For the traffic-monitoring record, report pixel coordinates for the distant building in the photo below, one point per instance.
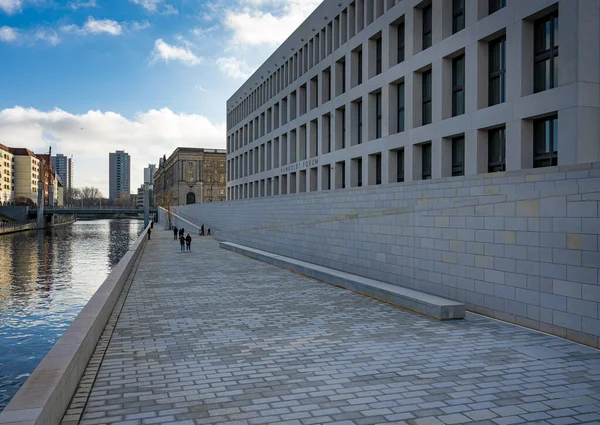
(192, 175)
(64, 168)
(47, 176)
(140, 196)
(7, 175)
(119, 174)
(149, 173)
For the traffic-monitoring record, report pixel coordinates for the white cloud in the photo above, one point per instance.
(49, 36)
(149, 5)
(104, 26)
(8, 34)
(79, 4)
(167, 52)
(146, 137)
(11, 6)
(100, 26)
(234, 68)
(266, 22)
(169, 10)
(156, 6)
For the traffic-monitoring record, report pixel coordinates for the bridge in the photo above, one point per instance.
(94, 210)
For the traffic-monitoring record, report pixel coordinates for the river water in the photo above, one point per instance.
(46, 277)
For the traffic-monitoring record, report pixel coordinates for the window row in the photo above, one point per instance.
(350, 22)
(544, 153)
(334, 176)
(323, 88)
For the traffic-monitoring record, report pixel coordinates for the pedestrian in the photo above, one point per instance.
(202, 230)
(188, 242)
(149, 231)
(182, 242)
(174, 233)
(208, 231)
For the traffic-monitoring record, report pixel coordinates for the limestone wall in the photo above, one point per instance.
(520, 246)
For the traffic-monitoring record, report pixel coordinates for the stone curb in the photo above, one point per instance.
(420, 302)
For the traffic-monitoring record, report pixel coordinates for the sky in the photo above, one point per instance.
(88, 77)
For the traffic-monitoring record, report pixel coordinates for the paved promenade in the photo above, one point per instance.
(214, 337)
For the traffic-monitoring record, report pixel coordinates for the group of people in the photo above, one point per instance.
(185, 242)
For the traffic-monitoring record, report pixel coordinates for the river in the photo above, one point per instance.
(46, 277)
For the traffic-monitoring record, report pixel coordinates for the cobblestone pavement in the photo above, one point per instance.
(214, 337)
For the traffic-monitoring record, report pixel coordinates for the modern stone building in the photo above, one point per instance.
(119, 175)
(447, 146)
(368, 92)
(191, 175)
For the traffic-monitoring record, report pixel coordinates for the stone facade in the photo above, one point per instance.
(192, 175)
(520, 246)
(368, 92)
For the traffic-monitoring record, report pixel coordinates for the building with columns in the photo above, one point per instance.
(369, 92)
(191, 176)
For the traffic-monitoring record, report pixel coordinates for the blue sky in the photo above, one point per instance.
(91, 76)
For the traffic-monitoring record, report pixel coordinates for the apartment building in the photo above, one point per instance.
(119, 175)
(7, 175)
(369, 92)
(27, 173)
(65, 168)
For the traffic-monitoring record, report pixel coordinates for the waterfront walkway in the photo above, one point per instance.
(214, 337)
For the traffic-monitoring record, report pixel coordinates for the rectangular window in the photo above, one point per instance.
(378, 169)
(497, 71)
(360, 66)
(400, 107)
(426, 93)
(359, 170)
(359, 122)
(497, 150)
(545, 68)
(427, 27)
(400, 165)
(378, 56)
(496, 5)
(343, 128)
(378, 116)
(426, 161)
(458, 15)
(401, 41)
(545, 142)
(458, 86)
(458, 156)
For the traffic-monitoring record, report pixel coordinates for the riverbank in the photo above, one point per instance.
(57, 221)
(48, 277)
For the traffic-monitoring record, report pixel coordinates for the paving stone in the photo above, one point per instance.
(211, 337)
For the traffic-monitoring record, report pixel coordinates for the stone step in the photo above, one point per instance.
(420, 302)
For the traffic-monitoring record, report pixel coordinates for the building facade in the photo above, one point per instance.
(64, 168)
(190, 176)
(7, 175)
(119, 175)
(27, 174)
(149, 173)
(369, 92)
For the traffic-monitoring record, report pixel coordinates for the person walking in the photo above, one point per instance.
(188, 242)
(202, 230)
(174, 233)
(149, 232)
(182, 242)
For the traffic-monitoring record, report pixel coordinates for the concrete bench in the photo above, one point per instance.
(420, 302)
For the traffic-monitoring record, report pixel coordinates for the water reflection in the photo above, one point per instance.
(46, 277)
